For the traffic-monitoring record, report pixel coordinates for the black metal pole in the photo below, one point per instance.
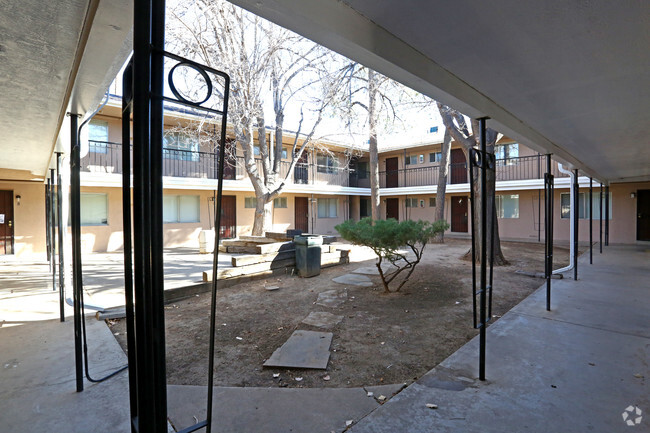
(148, 40)
(600, 218)
(52, 218)
(48, 239)
(539, 215)
(607, 215)
(75, 218)
(59, 224)
(548, 229)
(591, 221)
(483, 277)
(576, 203)
(127, 88)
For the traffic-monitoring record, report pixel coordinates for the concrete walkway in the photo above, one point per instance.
(574, 369)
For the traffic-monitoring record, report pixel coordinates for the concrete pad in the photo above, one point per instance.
(367, 270)
(353, 280)
(269, 410)
(332, 298)
(322, 319)
(576, 368)
(304, 349)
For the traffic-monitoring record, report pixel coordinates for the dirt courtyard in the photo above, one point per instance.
(382, 339)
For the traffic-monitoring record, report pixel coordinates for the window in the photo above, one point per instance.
(256, 151)
(507, 206)
(364, 204)
(181, 209)
(435, 157)
(506, 151)
(327, 163)
(411, 160)
(421, 159)
(94, 209)
(250, 202)
(327, 207)
(432, 202)
(285, 153)
(97, 136)
(179, 146)
(411, 202)
(280, 203)
(583, 204)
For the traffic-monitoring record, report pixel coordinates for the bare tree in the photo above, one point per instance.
(263, 61)
(457, 127)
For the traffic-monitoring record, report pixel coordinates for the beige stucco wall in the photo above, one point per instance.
(29, 218)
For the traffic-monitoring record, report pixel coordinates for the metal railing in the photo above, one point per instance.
(106, 157)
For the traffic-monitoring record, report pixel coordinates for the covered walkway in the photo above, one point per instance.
(574, 369)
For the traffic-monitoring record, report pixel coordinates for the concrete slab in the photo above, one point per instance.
(332, 298)
(269, 410)
(304, 349)
(367, 270)
(322, 319)
(353, 280)
(576, 368)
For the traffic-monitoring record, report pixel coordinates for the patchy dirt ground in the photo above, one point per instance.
(383, 338)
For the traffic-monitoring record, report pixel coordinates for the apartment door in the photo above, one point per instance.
(458, 166)
(643, 215)
(392, 208)
(302, 214)
(228, 227)
(301, 172)
(392, 173)
(459, 214)
(6, 222)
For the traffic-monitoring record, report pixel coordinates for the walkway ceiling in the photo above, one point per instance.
(567, 77)
(55, 57)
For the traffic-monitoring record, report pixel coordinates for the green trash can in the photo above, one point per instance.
(308, 254)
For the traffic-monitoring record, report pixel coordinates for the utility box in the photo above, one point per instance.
(308, 252)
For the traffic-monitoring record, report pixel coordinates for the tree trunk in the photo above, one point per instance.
(499, 259)
(443, 174)
(372, 148)
(263, 217)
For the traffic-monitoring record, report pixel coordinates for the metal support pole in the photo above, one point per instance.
(591, 221)
(52, 218)
(59, 224)
(150, 369)
(548, 229)
(607, 215)
(600, 218)
(576, 203)
(75, 217)
(539, 215)
(48, 239)
(484, 227)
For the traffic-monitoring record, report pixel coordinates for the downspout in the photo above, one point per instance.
(572, 215)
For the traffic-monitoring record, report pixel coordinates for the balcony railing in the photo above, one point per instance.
(519, 168)
(106, 157)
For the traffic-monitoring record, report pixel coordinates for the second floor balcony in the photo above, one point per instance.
(106, 157)
(509, 169)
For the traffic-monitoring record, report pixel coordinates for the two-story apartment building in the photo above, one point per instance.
(328, 185)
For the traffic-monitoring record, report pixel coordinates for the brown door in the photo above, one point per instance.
(301, 171)
(392, 208)
(458, 167)
(228, 227)
(6, 222)
(643, 215)
(302, 214)
(392, 173)
(459, 214)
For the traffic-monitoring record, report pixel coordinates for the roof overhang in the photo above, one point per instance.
(569, 78)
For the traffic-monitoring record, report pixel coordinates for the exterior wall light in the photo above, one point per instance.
(633, 195)
(18, 200)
